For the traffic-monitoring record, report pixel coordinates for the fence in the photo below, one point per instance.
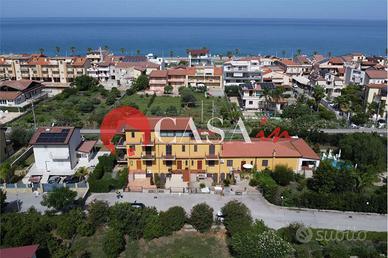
(43, 187)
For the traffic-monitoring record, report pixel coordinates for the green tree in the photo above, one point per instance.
(98, 212)
(86, 106)
(141, 83)
(171, 53)
(171, 111)
(187, 98)
(318, 95)
(20, 136)
(284, 53)
(110, 100)
(153, 228)
(3, 197)
(261, 245)
(298, 52)
(73, 50)
(113, 243)
(69, 223)
(283, 175)
(138, 51)
(84, 83)
(201, 217)
(122, 50)
(5, 172)
(60, 199)
(41, 51)
(168, 89)
(89, 50)
(237, 217)
(173, 219)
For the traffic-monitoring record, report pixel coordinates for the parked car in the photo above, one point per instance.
(72, 179)
(220, 217)
(138, 205)
(54, 180)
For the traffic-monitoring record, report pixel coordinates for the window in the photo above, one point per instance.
(229, 163)
(192, 162)
(264, 163)
(211, 163)
(149, 163)
(250, 102)
(133, 134)
(212, 149)
(169, 163)
(186, 162)
(195, 148)
(168, 149)
(183, 148)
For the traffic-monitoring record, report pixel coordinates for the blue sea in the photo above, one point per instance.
(162, 35)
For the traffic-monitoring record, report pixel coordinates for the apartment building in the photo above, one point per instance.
(42, 68)
(332, 84)
(176, 152)
(198, 76)
(198, 57)
(354, 74)
(298, 66)
(238, 72)
(377, 93)
(374, 76)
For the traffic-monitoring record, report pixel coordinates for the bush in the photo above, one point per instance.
(86, 229)
(267, 185)
(60, 199)
(289, 233)
(156, 111)
(113, 243)
(171, 111)
(153, 228)
(173, 219)
(168, 89)
(69, 223)
(283, 175)
(237, 217)
(201, 217)
(187, 98)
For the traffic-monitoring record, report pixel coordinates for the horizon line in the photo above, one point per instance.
(197, 18)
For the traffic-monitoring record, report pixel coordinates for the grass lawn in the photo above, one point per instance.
(163, 102)
(180, 244)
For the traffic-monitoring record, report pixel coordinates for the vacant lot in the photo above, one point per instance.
(181, 244)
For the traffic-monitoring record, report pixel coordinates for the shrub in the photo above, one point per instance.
(283, 175)
(113, 243)
(289, 233)
(201, 217)
(86, 229)
(153, 228)
(237, 217)
(173, 219)
(267, 185)
(171, 111)
(60, 199)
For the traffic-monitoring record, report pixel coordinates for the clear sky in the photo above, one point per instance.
(331, 9)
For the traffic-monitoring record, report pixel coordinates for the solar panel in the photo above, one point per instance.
(53, 137)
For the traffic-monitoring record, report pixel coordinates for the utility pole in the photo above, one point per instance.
(33, 113)
(212, 108)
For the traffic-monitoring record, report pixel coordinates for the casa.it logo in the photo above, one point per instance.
(275, 135)
(120, 119)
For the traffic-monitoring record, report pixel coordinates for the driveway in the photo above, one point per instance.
(273, 216)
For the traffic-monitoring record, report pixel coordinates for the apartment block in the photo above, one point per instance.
(238, 72)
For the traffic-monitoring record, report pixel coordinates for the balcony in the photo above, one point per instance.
(168, 157)
(148, 143)
(212, 157)
(122, 159)
(148, 156)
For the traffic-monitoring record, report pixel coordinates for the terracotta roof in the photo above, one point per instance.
(376, 86)
(9, 95)
(134, 59)
(27, 251)
(377, 74)
(217, 71)
(197, 52)
(79, 61)
(39, 61)
(158, 74)
(86, 146)
(287, 62)
(53, 131)
(286, 148)
(179, 71)
(336, 60)
(191, 70)
(181, 124)
(17, 85)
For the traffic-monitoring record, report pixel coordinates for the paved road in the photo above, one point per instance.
(273, 216)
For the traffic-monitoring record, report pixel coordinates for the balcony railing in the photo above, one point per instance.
(212, 157)
(147, 156)
(169, 157)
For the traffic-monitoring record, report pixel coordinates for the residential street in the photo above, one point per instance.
(273, 216)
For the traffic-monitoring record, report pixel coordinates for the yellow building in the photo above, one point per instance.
(176, 151)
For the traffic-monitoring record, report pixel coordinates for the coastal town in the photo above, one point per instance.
(225, 137)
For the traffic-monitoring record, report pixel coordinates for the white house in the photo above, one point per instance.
(376, 76)
(57, 151)
(239, 72)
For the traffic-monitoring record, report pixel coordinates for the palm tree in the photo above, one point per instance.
(267, 97)
(106, 47)
(58, 50)
(284, 53)
(318, 95)
(298, 52)
(343, 103)
(73, 49)
(122, 50)
(237, 51)
(229, 54)
(138, 52)
(234, 113)
(315, 52)
(329, 54)
(41, 51)
(171, 53)
(89, 50)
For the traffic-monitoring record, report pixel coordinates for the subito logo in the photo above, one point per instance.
(120, 119)
(304, 235)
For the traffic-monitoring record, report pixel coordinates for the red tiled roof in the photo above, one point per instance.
(377, 74)
(41, 130)
(179, 71)
(197, 52)
(158, 74)
(9, 95)
(17, 85)
(27, 251)
(217, 71)
(336, 60)
(287, 62)
(86, 146)
(376, 86)
(292, 148)
(79, 61)
(39, 61)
